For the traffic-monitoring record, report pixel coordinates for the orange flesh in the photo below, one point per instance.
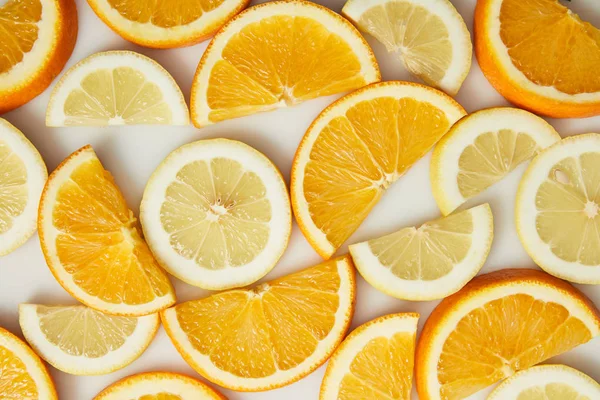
(15, 381)
(164, 13)
(18, 30)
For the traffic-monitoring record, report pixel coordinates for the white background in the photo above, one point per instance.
(131, 154)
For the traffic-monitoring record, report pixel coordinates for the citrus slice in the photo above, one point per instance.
(430, 262)
(430, 37)
(216, 214)
(116, 88)
(166, 24)
(375, 361)
(92, 244)
(557, 209)
(268, 336)
(279, 54)
(481, 149)
(82, 341)
(24, 375)
(36, 41)
(498, 324)
(356, 148)
(159, 386)
(547, 382)
(22, 177)
(539, 55)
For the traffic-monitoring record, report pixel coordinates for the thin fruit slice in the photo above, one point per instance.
(375, 361)
(279, 54)
(159, 386)
(481, 149)
(216, 214)
(498, 324)
(430, 262)
(547, 382)
(539, 55)
(270, 335)
(36, 41)
(92, 244)
(166, 24)
(557, 209)
(23, 375)
(116, 88)
(22, 177)
(430, 37)
(82, 341)
(356, 149)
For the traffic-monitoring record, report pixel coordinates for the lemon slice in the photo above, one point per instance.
(216, 214)
(481, 149)
(430, 37)
(116, 88)
(557, 209)
(430, 262)
(81, 341)
(22, 178)
(547, 382)
(159, 386)
(375, 361)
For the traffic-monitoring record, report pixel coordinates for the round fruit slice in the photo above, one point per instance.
(24, 375)
(92, 244)
(159, 386)
(279, 54)
(268, 336)
(547, 382)
(557, 209)
(37, 39)
(22, 177)
(216, 214)
(430, 37)
(166, 24)
(539, 55)
(81, 341)
(430, 262)
(498, 324)
(116, 88)
(374, 362)
(356, 149)
(481, 149)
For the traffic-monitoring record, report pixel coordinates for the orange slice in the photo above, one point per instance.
(92, 241)
(268, 336)
(356, 149)
(539, 55)
(36, 41)
(498, 324)
(279, 54)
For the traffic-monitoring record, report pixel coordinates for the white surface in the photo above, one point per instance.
(131, 154)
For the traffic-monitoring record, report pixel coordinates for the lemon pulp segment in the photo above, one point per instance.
(13, 186)
(551, 391)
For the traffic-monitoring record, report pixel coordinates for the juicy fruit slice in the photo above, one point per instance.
(116, 88)
(557, 209)
(22, 177)
(547, 382)
(159, 386)
(81, 341)
(375, 361)
(356, 148)
(268, 336)
(166, 24)
(37, 39)
(24, 375)
(539, 55)
(92, 244)
(430, 37)
(430, 262)
(481, 149)
(498, 324)
(279, 54)
(216, 214)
